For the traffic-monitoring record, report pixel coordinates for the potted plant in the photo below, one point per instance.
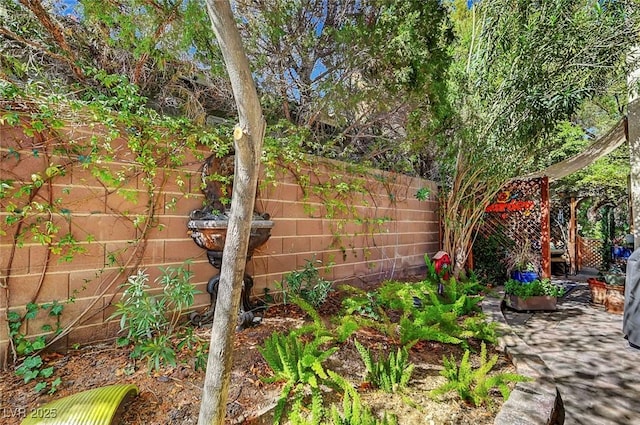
(614, 275)
(521, 263)
(598, 290)
(614, 278)
(539, 294)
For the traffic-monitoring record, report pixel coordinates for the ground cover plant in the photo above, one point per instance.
(434, 309)
(149, 329)
(539, 287)
(473, 385)
(329, 364)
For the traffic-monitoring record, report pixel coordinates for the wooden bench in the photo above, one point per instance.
(561, 259)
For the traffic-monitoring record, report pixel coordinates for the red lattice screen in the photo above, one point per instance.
(515, 217)
(590, 252)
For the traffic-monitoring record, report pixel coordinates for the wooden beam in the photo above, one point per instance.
(573, 246)
(545, 227)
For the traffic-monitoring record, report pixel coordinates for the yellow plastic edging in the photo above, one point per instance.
(92, 407)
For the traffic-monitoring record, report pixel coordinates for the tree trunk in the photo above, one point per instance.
(633, 137)
(248, 136)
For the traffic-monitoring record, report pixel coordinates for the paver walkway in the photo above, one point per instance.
(597, 373)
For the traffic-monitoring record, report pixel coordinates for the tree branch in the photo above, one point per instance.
(35, 6)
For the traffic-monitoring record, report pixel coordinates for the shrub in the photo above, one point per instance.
(307, 284)
(151, 320)
(537, 287)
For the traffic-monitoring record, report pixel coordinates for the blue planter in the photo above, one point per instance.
(524, 276)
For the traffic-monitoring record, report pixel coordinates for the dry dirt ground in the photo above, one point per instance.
(173, 396)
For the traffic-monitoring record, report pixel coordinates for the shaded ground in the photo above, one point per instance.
(173, 397)
(594, 368)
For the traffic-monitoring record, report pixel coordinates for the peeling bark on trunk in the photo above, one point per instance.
(248, 136)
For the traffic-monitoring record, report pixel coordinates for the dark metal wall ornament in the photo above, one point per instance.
(208, 229)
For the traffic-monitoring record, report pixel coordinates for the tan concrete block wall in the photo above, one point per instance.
(359, 248)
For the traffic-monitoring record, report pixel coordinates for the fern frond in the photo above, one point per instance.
(308, 308)
(317, 409)
(464, 370)
(319, 370)
(474, 385)
(340, 381)
(346, 328)
(406, 375)
(270, 352)
(289, 365)
(365, 355)
(347, 406)
(282, 401)
(409, 331)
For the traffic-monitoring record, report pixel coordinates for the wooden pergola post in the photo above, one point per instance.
(572, 249)
(545, 227)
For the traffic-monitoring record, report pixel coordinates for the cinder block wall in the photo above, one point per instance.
(384, 234)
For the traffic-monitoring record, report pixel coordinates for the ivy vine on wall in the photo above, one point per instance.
(115, 140)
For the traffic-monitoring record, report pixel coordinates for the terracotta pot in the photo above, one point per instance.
(614, 301)
(598, 290)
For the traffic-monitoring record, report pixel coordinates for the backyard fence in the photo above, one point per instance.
(73, 228)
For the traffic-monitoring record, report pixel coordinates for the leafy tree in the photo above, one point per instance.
(166, 48)
(520, 67)
(353, 72)
(605, 180)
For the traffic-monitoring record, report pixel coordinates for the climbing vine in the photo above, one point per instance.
(330, 189)
(127, 143)
(115, 143)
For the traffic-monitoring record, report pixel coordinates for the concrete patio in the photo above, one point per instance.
(578, 350)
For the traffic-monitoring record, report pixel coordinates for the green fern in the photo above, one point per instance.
(472, 385)
(300, 415)
(412, 331)
(354, 413)
(390, 374)
(348, 325)
(309, 309)
(297, 363)
(384, 326)
(479, 328)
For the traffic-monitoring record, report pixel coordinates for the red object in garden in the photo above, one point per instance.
(442, 263)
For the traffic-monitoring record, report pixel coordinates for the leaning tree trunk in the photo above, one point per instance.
(248, 136)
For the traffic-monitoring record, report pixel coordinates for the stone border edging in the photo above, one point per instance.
(530, 403)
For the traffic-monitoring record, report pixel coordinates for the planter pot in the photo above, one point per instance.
(524, 276)
(541, 302)
(598, 290)
(212, 234)
(614, 301)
